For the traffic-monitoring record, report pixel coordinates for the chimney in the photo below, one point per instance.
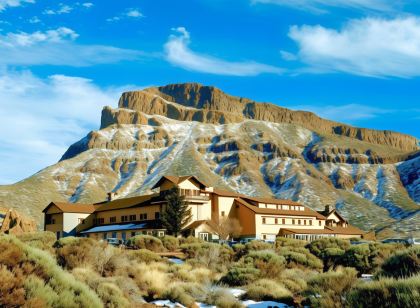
(112, 195)
(327, 208)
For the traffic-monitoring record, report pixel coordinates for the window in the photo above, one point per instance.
(223, 213)
(143, 216)
(112, 219)
(161, 233)
(100, 221)
(276, 221)
(304, 222)
(124, 218)
(104, 236)
(263, 220)
(298, 221)
(132, 217)
(58, 235)
(293, 221)
(283, 221)
(310, 222)
(319, 222)
(52, 221)
(133, 233)
(264, 237)
(114, 234)
(157, 215)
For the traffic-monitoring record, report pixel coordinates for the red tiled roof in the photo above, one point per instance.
(346, 230)
(267, 211)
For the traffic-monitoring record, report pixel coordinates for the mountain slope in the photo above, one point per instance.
(371, 176)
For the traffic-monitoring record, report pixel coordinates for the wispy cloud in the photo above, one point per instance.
(42, 117)
(4, 4)
(348, 113)
(322, 6)
(57, 47)
(369, 47)
(87, 4)
(132, 13)
(178, 53)
(61, 9)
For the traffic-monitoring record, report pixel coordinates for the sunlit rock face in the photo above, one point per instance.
(233, 143)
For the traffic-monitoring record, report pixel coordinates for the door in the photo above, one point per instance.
(123, 236)
(204, 236)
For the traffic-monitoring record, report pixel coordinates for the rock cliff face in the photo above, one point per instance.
(372, 177)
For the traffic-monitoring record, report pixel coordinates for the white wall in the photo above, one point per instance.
(71, 220)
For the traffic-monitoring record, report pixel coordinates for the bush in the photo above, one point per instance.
(222, 298)
(184, 293)
(402, 264)
(289, 242)
(386, 293)
(143, 255)
(214, 256)
(171, 243)
(240, 275)
(45, 283)
(146, 242)
(318, 247)
(299, 256)
(84, 252)
(267, 262)
(43, 240)
(268, 290)
(329, 289)
(258, 245)
(190, 240)
(360, 257)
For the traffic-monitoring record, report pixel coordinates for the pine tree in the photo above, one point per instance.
(177, 213)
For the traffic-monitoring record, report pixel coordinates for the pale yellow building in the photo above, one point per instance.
(260, 218)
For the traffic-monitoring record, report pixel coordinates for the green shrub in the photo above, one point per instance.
(299, 256)
(214, 256)
(190, 240)
(43, 240)
(268, 290)
(146, 242)
(143, 255)
(240, 275)
(289, 242)
(45, 283)
(317, 247)
(329, 289)
(386, 292)
(267, 262)
(184, 293)
(403, 263)
(360, 257)
(258, 245)
(171, 243)
(222, 298)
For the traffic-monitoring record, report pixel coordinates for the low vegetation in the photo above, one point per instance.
(38, 271)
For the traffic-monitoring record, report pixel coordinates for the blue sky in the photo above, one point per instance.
(356, 61)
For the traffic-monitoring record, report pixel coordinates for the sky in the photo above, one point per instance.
(353, 61)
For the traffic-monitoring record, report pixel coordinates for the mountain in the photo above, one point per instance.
(372, 177)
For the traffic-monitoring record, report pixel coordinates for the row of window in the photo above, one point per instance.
(125, 218)
(283, 207)
(294, 221)
(133, 233)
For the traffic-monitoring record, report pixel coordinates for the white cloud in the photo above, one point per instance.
(40, 118)
(4, 4)
(62, 9)
(34, 20)
(178, 53)
(322, 6)
(87, 4)
(57, 47)
(129, 13)
(369, 47)
(344, 113)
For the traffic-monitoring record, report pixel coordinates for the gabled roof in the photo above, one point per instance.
(349, 230)
(198, 223)
(126, 202)
(177, 180)
(66, 207)
(267, 211)
(333, 212)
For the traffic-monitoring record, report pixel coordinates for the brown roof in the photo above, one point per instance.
(126, 202)
(305, 231)
(178, 179)
(258, 210)
(226, 193)
(72, 207)
(198, 223)
(346, 230)
(271, 200)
